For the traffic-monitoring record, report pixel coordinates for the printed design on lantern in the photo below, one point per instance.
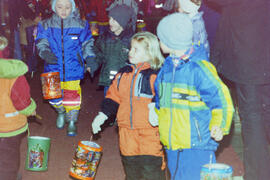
(85, 162)
(36, 156)
(216, 171)
(51, 85)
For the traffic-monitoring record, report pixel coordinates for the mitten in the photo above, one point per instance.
(153, 117)
(91, 65)
(98, 121)
(217, 133)
(49, 57)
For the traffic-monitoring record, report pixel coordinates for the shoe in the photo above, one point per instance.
(60, 121)
(72, 118)
(72, 129)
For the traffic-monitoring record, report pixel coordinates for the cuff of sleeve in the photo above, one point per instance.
(30, 109)
(91, 62)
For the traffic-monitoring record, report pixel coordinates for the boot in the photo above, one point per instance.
(60, 121)
(71, 118)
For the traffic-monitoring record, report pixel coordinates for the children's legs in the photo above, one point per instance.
(186, 164)
(151, 168)
(58, 106)
(31, 58)
(72, 104)
(131, 167)
(143, 167)
(60, 121)
(10, 157)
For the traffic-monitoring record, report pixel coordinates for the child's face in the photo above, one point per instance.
(115, 26)
(164, 48)
(138, 53)
(63, 8)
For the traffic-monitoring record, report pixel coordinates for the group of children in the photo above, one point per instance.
(177, 104)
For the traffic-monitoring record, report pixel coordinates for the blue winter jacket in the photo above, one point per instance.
(70, 40)
(190, 100)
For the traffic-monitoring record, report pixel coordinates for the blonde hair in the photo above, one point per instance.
(3, 43)
(151, 43)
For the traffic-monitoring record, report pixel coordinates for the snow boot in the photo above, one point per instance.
(72, 118)
(60, 121)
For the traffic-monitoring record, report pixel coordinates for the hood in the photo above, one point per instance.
(72, 2)
(73, 14)
(12, 68)
(199, 53)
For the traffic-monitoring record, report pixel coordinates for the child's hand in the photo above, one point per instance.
(217, 133)
(153, 117)
(98, 121)
(88, 69)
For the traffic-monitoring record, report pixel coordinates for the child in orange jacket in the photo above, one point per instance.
(128, 97)
(15, 105)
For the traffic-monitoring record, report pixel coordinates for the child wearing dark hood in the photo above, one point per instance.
(112, 47)
(65, 42)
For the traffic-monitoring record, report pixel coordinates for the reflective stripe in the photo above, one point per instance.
(113, 72)
(7, 115)
(56, 103)
(71, 102)
(111, 77)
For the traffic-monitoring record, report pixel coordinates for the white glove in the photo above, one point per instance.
(153, 117)
(98, 121)
(217, 133)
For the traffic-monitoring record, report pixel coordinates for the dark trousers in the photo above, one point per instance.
(254, 112)
(143, 167)
(31, 54)
(10, 157)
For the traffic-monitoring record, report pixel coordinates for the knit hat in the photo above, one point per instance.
(176, 31)
(122, 14)
(72, 3)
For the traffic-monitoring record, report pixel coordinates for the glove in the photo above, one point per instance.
(49, 57)
(153, 117)
(217, 133)
(91, 65)
(98, 121)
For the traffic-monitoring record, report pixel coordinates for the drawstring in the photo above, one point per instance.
(176, 169)
(28, 131)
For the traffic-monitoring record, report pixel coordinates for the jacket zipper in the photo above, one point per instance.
(198, 129)
(63, 56)
(131, 93)
(172, 83)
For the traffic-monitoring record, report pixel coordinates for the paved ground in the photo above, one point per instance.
(63, 147)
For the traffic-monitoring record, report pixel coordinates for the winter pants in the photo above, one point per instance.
(31, 54)
(143, 167)
(71, 99)
(10, 157)
(186, 164)
(254, 112)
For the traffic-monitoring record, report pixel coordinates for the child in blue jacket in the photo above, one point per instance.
(65, 42)
(194, 107)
